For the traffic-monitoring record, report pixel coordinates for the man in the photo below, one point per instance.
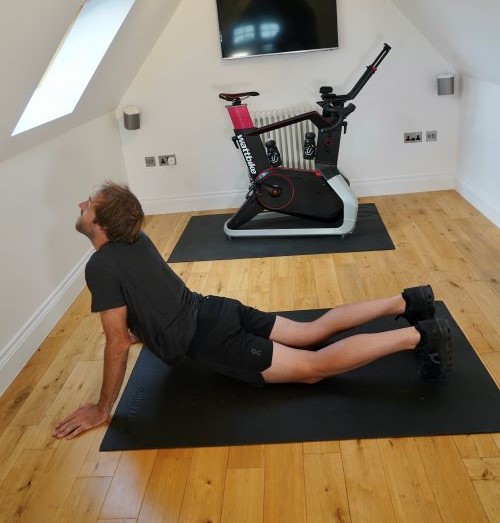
(138, 295)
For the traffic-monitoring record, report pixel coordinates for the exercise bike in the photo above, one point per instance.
(322, 194)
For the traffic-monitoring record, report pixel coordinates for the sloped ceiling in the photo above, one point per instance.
(466, 32)
(31, 31)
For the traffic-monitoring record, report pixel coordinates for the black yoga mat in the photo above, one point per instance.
(204, 239)
(189, 406)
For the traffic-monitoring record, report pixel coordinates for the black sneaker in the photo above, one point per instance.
(419, 304)
(434, 351)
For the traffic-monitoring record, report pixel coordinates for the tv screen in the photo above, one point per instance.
(259, 27)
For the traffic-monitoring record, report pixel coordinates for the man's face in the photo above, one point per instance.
(86, 221)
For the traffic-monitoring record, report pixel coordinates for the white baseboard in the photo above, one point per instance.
(482, 202)
(23, 345)
(197, 202)
(230, 199)
(403, 185)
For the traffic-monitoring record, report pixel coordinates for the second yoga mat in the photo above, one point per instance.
(204, 239)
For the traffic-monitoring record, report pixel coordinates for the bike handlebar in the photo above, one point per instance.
(370, 71)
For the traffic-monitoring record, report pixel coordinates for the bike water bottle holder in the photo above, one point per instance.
(309, 146)
(273, 153)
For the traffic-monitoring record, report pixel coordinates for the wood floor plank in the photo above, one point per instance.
(321, 447)
(327, 283)
(246, 457)
(453, 490)
(281, 289)
(36, 406)
(486, 300)
(326, 495)
(482, 335)
(169, 231)
(304, 283)
(165, 491)
(205, 486)
(367, 489)
(350, 281)
(84, 501)
(259, 285)
(26, 381)
(284, 497)
(496, 439)
(69, 398)
(243, 496)
(485, 475)
(492, 362)
(10, 448)
(217, 281)
(476, 446)
(100, 464)
(126, 492)
(239, 275)
(198, 276)
(22, 483)
(409, 486)
(57, 479)
(182, 269)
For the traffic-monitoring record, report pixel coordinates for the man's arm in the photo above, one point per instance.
(114, 323)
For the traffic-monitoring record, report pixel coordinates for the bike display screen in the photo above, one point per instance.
(260, 27)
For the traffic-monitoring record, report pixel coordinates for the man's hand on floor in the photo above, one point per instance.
(83, 419)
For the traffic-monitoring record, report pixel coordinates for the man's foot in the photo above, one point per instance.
(434, 351)
(419, 304)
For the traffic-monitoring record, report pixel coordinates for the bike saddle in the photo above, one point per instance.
(237, 97)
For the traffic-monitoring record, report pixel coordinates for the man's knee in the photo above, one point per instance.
(293, 366)
(313, 371)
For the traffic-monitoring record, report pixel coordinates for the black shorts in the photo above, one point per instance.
(233, 339)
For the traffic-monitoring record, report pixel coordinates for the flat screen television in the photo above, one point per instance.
(260, 27)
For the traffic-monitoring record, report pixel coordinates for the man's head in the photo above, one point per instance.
(111, 209)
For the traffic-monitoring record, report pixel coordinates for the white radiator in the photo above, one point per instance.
(290, 140)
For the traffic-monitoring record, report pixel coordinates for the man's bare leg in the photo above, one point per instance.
(297, 365)
(300, 334)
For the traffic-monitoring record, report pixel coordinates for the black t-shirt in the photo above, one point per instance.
(161, 310)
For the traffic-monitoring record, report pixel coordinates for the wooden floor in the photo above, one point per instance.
(439, 239)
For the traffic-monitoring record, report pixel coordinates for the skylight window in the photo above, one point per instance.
(75, 62)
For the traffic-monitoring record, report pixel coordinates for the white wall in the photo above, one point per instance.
(479, 170)
(42, 255)
(467, 34)
(178, 85)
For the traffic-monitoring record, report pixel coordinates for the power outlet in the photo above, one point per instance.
(150, 161)
(167, 159)
(431, 136)
(415, 137)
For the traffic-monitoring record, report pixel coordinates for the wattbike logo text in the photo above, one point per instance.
(246, 154)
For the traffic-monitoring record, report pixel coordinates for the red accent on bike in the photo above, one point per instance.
(374, 69)
(318, 173)
(240, 116)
